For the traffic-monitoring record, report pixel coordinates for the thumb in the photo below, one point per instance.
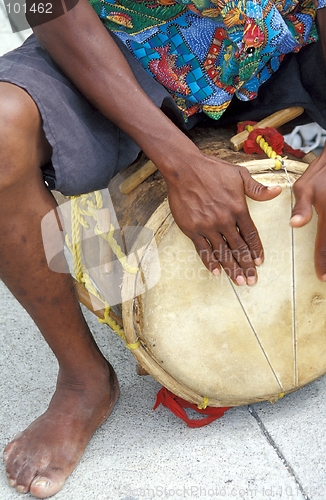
(301, 213)
(257, 191)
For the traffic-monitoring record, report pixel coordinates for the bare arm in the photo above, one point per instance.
(87, 54)
(207, 197)
(310, 189)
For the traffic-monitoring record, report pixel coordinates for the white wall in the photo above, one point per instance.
(8, 39)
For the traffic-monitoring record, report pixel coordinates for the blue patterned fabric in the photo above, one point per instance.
(204, 52)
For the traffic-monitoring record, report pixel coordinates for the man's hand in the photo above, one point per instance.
(208, 204)
(310, 191)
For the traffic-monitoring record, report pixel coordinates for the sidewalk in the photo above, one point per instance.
(259, 451)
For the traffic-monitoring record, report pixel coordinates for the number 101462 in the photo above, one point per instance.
(36, 8)
(24, 14)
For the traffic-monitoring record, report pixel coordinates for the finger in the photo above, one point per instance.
(302, 210)
(206, 254)
(257, 191)
(250, 236)
(224, 254)
(320, 248)
(242, 256)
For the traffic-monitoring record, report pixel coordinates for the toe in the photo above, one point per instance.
(14, 466)
(20, 475)
(21, 489)
(11, 482)
(41, 482)
(9, 449)
(47, 484)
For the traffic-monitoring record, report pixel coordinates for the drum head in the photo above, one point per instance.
(203, 337)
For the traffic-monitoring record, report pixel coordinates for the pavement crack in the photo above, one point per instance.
(280, 455)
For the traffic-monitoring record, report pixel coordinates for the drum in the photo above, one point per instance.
(202, 337)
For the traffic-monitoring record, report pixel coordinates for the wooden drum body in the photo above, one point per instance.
(202, 336)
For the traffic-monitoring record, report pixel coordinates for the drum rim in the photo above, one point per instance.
(159, 222)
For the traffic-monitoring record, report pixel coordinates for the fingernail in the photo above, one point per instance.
(43, 483)
(251, 280)
(323, 278)
(21, 489)
(240, 280)
(258, 262)
(270, 188)
(295, 219)
(216, 272)
(12, 482)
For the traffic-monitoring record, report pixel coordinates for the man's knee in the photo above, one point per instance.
(23, 147)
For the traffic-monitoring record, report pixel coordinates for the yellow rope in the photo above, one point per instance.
(268, 150)
(107, 320)
(116, 249)
(204, 404)
(82, 206)
(87, 205)
(75, 245)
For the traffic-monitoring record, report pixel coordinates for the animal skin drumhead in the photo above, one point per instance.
(203, 337)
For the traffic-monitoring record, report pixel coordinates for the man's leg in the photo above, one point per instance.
(41, 457)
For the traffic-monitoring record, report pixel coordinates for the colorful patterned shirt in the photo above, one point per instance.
(206, 51)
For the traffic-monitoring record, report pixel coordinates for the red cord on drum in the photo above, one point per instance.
(176, 405)
(267, 139)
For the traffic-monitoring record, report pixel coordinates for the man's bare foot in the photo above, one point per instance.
(39, 459)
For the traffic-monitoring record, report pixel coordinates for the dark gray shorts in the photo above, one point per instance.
(88, 150)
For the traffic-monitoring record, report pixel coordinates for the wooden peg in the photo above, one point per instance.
(309, 157)
(137, 177)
